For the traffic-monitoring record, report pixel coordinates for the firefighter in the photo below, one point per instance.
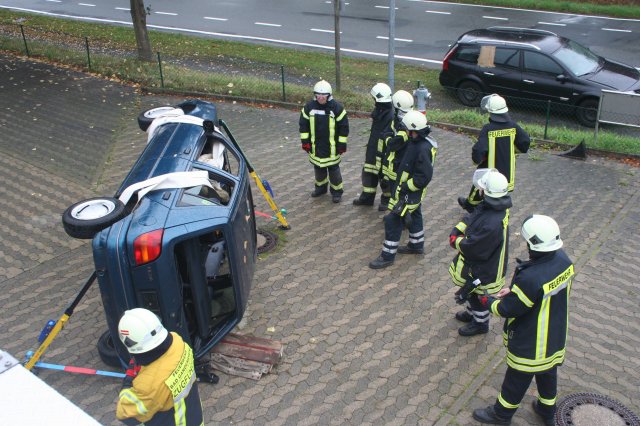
(413, 175)
(481, 239)
(496, 146)
(324, 128)
(160, 385)
(536, 312)
(382, 118)
(394, 145)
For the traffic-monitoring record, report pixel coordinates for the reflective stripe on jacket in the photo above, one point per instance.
(414, 173)
(164, 392)
(483, 246)
(326, 129)
(496, 148)
(537, 313)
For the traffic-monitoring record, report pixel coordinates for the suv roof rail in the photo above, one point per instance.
(521, 30)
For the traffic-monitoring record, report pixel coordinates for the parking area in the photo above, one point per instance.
(362, 346)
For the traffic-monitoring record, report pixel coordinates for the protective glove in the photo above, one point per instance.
(342, 150)
(487, 301)
(306, 147)
(130, 374)
(452, 241)
(463, 293)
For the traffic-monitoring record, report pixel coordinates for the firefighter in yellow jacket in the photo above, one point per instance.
(324, 129)
(536, 312)
(160, 385)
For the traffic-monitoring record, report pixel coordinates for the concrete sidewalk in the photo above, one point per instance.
(362, 346)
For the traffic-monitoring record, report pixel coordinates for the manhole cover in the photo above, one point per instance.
(587, 409)
(266, 241)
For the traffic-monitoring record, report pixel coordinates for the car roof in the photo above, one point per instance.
(535, 39)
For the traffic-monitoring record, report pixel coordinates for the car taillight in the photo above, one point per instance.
(147, 247)
(445, 61)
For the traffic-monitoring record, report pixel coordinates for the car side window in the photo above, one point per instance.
(509, 58)
(539, 63)
(468, 54)
(218, 194)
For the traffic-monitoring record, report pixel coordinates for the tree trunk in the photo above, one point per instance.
(139, 19)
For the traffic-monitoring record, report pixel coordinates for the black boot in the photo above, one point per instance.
(336, 198)
(548, 420)
(410, 250)
(473, 328)
(464, 203)
(464, 316)
(489, 416)
(319, 191)
(380, 262)
(364, 200)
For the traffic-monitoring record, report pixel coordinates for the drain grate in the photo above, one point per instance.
(583, 409)
(266, 241)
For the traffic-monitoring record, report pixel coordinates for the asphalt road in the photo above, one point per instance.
(424, 29)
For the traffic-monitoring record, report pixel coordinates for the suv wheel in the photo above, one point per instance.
(107, 350)
(469, 93)
(587, 112)
(84, 219)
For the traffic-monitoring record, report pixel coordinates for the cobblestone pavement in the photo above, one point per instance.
(362, 346)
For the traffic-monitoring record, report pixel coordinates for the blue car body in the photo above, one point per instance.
(199, 282)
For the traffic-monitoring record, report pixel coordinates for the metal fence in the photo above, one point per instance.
(82, 52)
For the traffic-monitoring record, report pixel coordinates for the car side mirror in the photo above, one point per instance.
(562, 78)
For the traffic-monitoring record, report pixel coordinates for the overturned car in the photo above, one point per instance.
(179, 236)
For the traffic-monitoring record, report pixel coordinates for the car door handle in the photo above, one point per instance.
(488, 73)
(529, 81)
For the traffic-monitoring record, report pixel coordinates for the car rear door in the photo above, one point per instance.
(500, 69)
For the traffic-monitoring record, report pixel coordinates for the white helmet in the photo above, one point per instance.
(322, 88)
(414, 120)
(494, 104)
(402, 100)
(541, 233)
(494, 184)
(140, 330)
(381, 93)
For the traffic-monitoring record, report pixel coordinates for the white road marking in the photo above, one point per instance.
(396, 39)
(266, 24)
(617, 30)
(495, 17)
(385, 7)
(54, 1)
(123, 8)
(166, 13)
(217, 34)
(322, 31)
(86, 4)
(438, 12)
(211, 18)
(552, 23)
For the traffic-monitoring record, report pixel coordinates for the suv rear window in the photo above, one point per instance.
(537, 62)
(468, 54)
(492, 56)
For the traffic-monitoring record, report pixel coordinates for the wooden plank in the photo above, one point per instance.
(250, 348)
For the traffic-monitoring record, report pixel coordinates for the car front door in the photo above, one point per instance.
(544, 79)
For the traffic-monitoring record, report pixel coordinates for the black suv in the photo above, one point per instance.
(533, 64)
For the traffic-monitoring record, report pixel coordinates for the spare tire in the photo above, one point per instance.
(84, 219)
(146, 117)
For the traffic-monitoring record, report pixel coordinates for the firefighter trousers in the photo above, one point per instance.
(515, 385)
(393, 226)
(329, 176)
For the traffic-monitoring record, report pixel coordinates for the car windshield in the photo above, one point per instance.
(577, 58)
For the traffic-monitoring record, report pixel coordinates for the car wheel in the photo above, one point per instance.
(84, 219)
(469, 93)
(146, 117)
(107, 351)
(587, 112)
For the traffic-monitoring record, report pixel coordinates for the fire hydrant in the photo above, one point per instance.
(422, 96)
